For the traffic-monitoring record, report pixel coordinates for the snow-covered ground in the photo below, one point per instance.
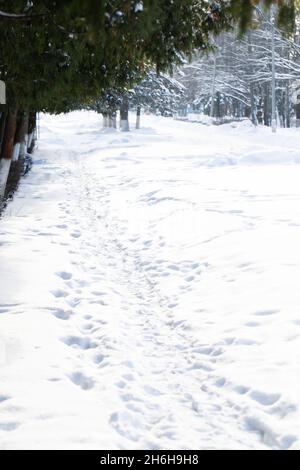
(149, 293)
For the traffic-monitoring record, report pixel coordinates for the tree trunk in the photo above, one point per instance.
(24, 135)
(217, 106)
(21, 131)
(7, 149)
(2, 127)
(253, 105)
(266, 106)
(287, 106)
(124, 120)
(297, 111)
(112, 120)
(213, 88)
(105, 120)
(138, 118)
(253, 111)
(273, 94)
(31, 132)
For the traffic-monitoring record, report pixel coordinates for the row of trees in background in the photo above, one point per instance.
(59, 56)
(249, 76)
(236, 79)
(155, 93)
(17, 136)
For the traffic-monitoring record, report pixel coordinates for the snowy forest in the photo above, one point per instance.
(110, 56)
(149, 214)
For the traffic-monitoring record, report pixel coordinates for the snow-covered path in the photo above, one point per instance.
(149, 292)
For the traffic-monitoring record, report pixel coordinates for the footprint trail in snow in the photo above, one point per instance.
(148, 295)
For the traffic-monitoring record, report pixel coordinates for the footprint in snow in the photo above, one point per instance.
(152, 391)
(266, 399)
(98, 293)
(76, 234)
(266, 312)
(60, 313)
(74, 302)
(58, 293)
(252, 324)
(241, 389)
(8, 426)
(66, 276)
(127, 425)
(173, 267)
(88, 326)
(83, 342)
(82, 380)
(98, 358)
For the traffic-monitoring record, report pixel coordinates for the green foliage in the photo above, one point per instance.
(63, 54)
(242, 11)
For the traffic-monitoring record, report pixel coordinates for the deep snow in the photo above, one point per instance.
(149, 293)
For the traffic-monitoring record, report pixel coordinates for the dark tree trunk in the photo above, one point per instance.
(32, 122)
(31, 131)
(24, 134)
(22, 128)
(124, 119)
(287, 106)
(217, 106)
(9, 135)
(2, 127)
(7, 149)
(297, 111)
(248, 112)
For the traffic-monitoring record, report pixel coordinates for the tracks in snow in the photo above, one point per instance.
(163, 376)
(123, 301)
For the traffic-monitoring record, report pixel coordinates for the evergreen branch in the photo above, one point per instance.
(22, 16)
